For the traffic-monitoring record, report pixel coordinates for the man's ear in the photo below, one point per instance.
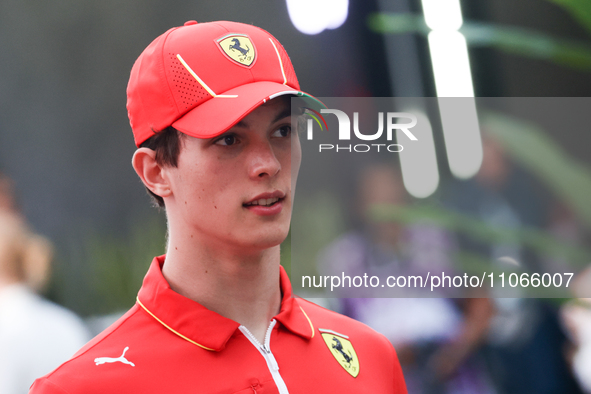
(150, 172)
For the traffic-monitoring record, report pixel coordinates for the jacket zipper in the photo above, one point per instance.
(265, 350)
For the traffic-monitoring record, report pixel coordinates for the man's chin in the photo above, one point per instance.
(268, 241)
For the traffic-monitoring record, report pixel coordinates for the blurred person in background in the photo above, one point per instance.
(7, 199)
(437, 338)
(576, 313)
(35, 335)
(576, 317)
(525, 342)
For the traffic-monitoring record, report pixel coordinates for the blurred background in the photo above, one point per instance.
(66, 146)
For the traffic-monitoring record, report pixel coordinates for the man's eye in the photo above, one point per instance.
(284, 131)
(227, 140)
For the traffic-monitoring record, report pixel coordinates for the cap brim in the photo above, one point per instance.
(223, 111)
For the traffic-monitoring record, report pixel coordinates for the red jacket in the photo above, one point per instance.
(167, 343)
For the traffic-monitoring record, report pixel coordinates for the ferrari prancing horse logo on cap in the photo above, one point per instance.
(239, 48)
(342, 350)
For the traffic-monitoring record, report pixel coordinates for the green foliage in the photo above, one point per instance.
(317, 220)
(516, 40)
(530, 43)
(569, 179)
(286, 254)
(579, 9)
(532, 148)
(538, 240)
(393, 23)
(119, 264)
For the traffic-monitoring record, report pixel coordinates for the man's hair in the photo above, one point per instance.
(167, 145)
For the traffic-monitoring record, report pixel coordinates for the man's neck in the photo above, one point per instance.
(243, 287)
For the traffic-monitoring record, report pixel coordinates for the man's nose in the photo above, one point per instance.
(263, 161)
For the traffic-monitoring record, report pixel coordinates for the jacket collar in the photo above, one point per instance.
(202, 327)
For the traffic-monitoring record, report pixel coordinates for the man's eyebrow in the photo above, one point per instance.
(283, 114)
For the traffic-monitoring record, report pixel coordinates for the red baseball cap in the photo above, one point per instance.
(202, 78)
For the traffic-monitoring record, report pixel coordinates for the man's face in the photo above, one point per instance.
(236, 190)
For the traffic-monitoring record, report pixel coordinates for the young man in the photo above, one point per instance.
(210, 112)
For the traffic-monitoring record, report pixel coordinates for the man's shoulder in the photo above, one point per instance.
(356, 347)
(75, 375)
(326, 320)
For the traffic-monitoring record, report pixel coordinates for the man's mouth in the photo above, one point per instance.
(265, 202)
